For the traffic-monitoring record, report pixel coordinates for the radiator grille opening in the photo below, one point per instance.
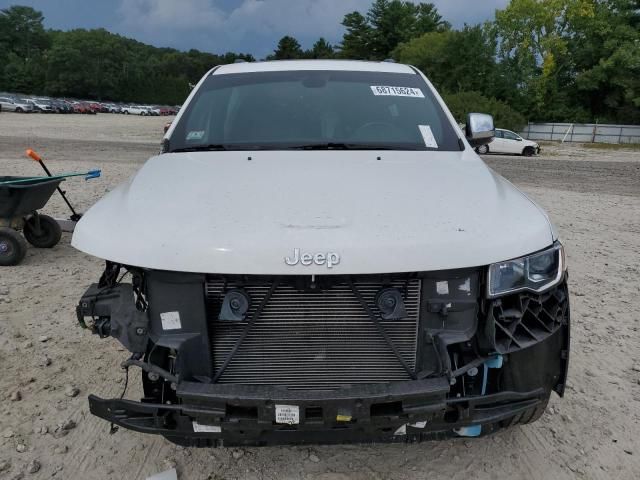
(306, 339)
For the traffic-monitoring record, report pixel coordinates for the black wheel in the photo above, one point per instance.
(528, 416)
(49, 234)
(528, 152)
(18, 110)
(483, 149)
(13, 247)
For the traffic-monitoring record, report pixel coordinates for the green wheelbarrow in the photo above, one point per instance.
(19, 205)
(20, 200)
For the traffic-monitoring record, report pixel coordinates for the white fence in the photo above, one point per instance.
(582, 132)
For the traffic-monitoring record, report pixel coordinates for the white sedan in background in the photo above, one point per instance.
(507, 141)
(135, 110)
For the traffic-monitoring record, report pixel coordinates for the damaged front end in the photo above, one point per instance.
(246, 360)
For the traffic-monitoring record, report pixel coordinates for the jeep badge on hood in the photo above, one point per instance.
(329, 259)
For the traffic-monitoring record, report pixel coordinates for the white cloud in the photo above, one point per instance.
(150, 15)
(256, 25)
(297, 18)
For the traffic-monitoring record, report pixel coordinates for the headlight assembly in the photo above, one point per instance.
(535, 272)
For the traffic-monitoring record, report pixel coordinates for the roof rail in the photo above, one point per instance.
(389, 60)
(239, 60)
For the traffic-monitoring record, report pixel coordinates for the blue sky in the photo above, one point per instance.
(249, 26)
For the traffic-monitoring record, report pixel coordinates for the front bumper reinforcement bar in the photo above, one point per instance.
(244, 415)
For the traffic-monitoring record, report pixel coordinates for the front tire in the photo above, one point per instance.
(528, 152)
(483, 149)
(49, 235)
(13, 247)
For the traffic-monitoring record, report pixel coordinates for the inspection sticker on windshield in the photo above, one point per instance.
(195, 135)
(427, 136)
(397, 91)
(288, 414)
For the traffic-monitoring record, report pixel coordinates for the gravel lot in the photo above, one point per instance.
(50, 364)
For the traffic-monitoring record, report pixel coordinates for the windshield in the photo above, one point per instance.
(314, 110)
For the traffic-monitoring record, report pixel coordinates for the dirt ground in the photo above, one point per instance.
(50, 364)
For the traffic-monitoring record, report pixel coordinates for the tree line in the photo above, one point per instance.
(538, 60)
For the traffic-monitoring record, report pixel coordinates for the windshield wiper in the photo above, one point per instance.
(346, 146)
(215, 147)
(303, 146)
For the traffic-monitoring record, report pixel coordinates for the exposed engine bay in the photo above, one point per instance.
(243, 359)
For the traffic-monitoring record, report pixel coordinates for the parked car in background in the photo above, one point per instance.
(167, 111)
(78, 107)
(94, 107)
(41, 105)
(61, 106)
(151, 110)
(82, 107)
(507, 141)
(15, 102)
(15, 105)
(112, 108)
(135, 110)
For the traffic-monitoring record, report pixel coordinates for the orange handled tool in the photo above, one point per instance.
(75, 216)
(33, 155)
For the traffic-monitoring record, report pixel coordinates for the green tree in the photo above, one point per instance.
(387, 24)
(454, 60)
(94, 64)
(535, 36)
(563, 60)
(288, 49)
(605, 50)
(23, 41)
(22, 32)
(321, 49)
(396, 21)
(356, 42)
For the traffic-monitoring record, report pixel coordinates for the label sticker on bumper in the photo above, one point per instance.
(199, 428)
(170, 321)
(442, 288)
(288, 414)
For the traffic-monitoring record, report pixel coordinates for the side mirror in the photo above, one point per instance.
(479, 130)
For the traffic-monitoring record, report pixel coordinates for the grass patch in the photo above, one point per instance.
(613, 146)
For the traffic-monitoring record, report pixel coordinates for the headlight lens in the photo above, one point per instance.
(535, 272)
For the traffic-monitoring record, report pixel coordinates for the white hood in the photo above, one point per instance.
(219, 212)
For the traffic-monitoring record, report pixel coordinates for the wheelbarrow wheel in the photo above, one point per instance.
(49, 235)
(13, 247)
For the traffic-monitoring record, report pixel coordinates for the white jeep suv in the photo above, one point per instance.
(319, 255)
